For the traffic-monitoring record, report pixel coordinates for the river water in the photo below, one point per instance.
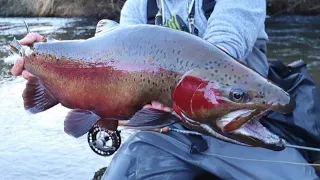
(35, 146)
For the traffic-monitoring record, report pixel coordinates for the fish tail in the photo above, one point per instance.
(15, 47)
(15, 52)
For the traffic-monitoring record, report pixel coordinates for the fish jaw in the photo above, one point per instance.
(252, 132)
(235, 119)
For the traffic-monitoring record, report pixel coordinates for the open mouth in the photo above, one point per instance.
(252, 132)
(249, 130)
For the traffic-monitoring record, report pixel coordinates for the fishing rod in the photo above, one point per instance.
(27, 27)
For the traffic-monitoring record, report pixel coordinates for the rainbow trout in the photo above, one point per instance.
(112, 75)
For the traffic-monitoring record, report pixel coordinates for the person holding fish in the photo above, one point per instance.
(236, 27)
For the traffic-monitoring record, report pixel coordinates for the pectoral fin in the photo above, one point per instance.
(149, 118)
(36, 97)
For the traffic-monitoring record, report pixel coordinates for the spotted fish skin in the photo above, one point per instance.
(114, 74)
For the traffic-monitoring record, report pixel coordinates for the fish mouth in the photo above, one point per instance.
(255, 134)
(251, 133)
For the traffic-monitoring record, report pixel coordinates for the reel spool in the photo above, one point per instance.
(103, 142)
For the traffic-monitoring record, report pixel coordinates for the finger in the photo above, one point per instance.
(157, 105)
(160, 106)
(27, 75)
(167, 109)
(31, 38)
(147, 106)
(17, 68)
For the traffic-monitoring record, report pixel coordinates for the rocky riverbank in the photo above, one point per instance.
(61, 8)
(111, 8)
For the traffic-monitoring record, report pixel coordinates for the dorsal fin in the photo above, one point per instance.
(105, 25)
(50, 39)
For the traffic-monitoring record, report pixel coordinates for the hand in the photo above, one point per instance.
(18, 68)
(159, 106)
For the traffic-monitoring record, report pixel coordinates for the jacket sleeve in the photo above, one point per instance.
(235, 25)
(133, 12)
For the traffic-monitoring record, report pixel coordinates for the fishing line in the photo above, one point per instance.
(302, 147)
(287, 145)
(260, 160)
(251, 159)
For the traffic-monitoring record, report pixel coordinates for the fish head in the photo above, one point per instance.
(229, 104)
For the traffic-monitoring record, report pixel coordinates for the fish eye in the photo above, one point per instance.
(238, 95)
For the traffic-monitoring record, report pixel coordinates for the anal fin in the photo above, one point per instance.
(149, 118)
(36, 97)
(78, 122)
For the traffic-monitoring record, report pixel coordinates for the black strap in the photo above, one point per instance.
(152, 9)
(208, 7)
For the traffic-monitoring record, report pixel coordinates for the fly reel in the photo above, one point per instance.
(103, 142)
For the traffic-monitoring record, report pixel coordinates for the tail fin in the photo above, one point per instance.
(14, 52)
(15, 47)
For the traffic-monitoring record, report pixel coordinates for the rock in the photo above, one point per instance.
(61, 8)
